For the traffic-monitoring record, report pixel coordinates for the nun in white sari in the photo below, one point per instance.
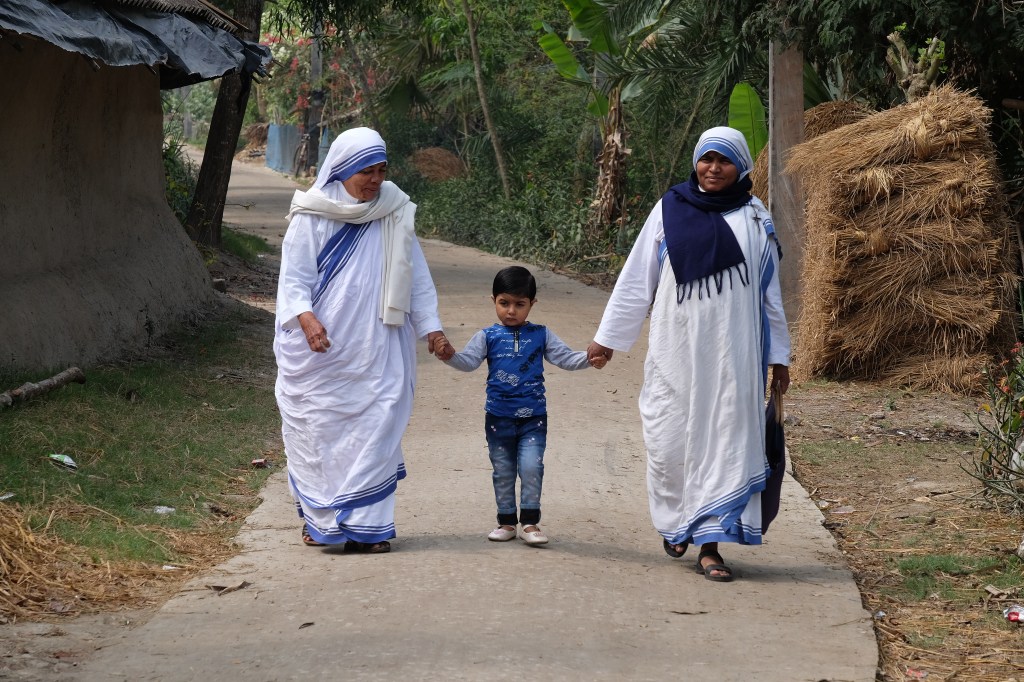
(707, 258)
(353, 296)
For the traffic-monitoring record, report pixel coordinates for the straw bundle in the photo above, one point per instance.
(910, 259)
(437, 164)
(818, 120)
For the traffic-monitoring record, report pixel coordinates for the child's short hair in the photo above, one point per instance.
(516, 281)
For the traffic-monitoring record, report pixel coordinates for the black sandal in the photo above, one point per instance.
(718, 566)
(307, 539)
(671, 550)
(353, 547)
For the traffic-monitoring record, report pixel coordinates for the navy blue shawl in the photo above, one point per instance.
(699, 241)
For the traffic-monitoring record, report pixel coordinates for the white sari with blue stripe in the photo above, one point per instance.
(702, 403)
(344, 411)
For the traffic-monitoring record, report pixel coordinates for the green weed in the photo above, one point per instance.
(245, 246)
(178, 430)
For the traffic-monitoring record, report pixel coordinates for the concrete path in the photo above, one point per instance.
(601, 602)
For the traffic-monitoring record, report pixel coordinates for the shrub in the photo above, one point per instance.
(181, 175)
(1000, 463)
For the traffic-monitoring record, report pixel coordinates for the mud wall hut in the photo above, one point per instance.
(93, 262)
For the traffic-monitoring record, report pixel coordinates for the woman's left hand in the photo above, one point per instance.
(780, 377)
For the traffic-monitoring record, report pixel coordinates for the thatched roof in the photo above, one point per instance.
(910, 264)
(199, 9)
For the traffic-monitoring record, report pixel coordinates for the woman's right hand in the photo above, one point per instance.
(316, 335)
(598, 355)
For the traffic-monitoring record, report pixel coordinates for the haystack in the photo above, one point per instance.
(818, 120)
(437, 164)
(910, 260)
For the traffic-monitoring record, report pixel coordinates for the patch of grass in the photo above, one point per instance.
(948, 564)
(823, 453)
(933, 640)
(109, 540)
(176, 430)
(935, 574)
(846, 450)
(919, 587)
(245, 246)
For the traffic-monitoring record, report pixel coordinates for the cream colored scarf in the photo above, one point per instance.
(397, 223)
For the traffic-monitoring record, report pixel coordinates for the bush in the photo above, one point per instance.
(181, 175)
(1000, 463)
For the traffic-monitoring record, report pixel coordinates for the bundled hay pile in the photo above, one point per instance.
(818, 120)
(437, 164)
(910, 260)
(255, 135)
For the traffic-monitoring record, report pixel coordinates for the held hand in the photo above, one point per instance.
(316, 335)
(780, 377)
(599, 353)
(437, 344)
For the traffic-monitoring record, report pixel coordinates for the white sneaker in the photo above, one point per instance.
(535, 536)
(502, 534)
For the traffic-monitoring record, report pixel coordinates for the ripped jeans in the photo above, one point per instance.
(517, 447)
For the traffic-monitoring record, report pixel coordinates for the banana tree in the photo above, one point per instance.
(593, 29)
(747, 115)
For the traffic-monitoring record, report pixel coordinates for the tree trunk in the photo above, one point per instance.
(315, 110)
(785, 195)
(203, 223)
(478, 72)
(611, 171)
(364, 82)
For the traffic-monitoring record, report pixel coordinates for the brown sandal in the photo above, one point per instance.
(307, 539)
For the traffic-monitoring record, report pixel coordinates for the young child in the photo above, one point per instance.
(516, 413)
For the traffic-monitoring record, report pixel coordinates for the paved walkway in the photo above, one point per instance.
(601, 602)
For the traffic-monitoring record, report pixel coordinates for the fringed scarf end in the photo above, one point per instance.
(684, 292)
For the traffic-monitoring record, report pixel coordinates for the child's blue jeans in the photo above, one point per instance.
(517, 447)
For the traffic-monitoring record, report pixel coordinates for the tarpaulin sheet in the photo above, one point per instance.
(282, 142)
(184, 50)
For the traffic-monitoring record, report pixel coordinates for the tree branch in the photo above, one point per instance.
(30, 390)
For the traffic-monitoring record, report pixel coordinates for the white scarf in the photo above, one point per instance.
(397, 223)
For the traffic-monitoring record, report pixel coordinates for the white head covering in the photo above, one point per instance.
(351, 152)
(728, 142)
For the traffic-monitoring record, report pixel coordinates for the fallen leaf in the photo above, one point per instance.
(221, 589)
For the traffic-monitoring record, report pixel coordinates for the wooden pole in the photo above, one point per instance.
(785, 196)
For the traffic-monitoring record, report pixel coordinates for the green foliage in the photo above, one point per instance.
(196, 102)
(746, 114)
(180, 174)
(999, 464)
(248, 247)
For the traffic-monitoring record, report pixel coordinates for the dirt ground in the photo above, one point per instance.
(885, 465)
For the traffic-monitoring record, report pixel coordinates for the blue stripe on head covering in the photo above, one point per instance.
(351, 152)
(352, 165)
(728, 142)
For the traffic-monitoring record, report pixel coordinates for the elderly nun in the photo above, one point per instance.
(354, 295)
